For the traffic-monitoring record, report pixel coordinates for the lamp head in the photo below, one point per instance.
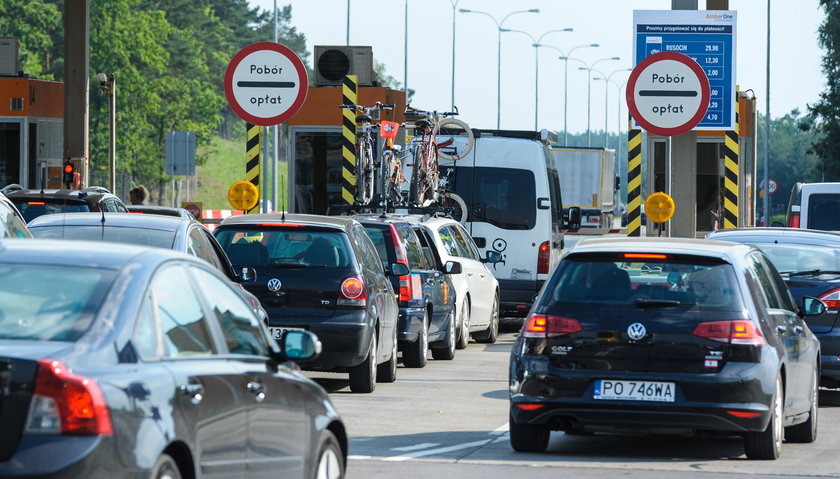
(594, 44)
(534, 10)
(464, 10)
(615, 58)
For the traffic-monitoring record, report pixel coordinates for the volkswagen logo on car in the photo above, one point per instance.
(636, 331)
(274, 285)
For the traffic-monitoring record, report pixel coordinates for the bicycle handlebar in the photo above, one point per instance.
(367, 109)
(412, 111)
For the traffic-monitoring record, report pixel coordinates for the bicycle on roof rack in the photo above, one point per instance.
(365, 169)
(425, 175)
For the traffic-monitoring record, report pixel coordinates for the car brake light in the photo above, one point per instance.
(645, 256)
(542, 326)
(293, 225)
(67, 403)
(36, 203)
(529, 407)
(407, 283)
(744, 414)
(739, 331)
(794, 220)
(543, 256)
(353, 292)
(831, 299)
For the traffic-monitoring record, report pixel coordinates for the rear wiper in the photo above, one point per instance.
(660, 303)
(811, 272)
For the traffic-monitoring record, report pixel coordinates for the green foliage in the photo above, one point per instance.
(790, 155)
(825, 114)
(37, 32)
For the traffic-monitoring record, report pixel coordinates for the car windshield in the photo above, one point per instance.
(31, 209)
(793, 258)
(113, 234)
(285, 248)
(60, 312)
(664, 282)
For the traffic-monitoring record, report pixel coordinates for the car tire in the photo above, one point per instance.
(446, 352)
(416, 354)
(463, 327)
(165, 468)
(330, 460)
(492, 333)
(528, 437)
(806, 432)
(387, 371)
(363, 376)
(767, 444)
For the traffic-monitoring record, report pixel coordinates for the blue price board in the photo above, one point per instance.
(708, 37)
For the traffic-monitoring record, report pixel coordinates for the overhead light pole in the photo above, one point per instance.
(565, 57)
(454, 4)
(108, 85)
(499, 54)
(607, 80)
(535, 42)
(588, 69)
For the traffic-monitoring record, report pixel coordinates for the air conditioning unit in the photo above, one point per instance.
(9, 56)
(332, 63)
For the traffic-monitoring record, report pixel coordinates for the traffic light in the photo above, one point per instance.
(68, 177)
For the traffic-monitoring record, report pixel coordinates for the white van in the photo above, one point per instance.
(814, 206)
(511, 189)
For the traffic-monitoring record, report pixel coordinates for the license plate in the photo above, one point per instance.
(277, 333)
(634, 390)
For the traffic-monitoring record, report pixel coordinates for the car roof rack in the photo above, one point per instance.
(97, 189)
(11, 187)
(434, 211)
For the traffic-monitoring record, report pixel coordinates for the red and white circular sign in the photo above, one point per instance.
(266, 83)
(668, 93)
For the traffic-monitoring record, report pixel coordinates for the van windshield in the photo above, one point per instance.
(503, 197)
(824, 212)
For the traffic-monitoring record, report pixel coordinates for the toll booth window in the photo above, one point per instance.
(503, 197)
(317, 171)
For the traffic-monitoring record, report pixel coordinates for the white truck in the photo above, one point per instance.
(588, 181)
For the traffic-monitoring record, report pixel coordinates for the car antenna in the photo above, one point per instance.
(282, 199)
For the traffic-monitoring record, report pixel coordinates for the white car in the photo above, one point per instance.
(477, 290)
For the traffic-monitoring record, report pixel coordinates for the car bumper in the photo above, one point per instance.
(409, 323)
(345, 337)
(66, 457)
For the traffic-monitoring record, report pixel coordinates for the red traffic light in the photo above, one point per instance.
(68, 167)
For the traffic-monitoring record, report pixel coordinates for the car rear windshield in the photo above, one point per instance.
(31, 209)
(610, 280)
(112, 234)
(38, 303)
(824, 212)
(793, 258)
(503, 197)
(285, 247)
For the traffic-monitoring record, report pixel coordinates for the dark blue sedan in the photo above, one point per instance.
(120, 361)
(809, 261)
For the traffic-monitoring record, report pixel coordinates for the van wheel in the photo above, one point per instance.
(417, 353)
(446, 352)
(806, 432)
(165, 468)
(363, 376)
(464, 327)
(767, 444)
(492, 333)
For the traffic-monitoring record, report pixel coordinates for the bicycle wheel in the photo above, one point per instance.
(392, 178)
(456, 124)
(455, 206)
(364, 174)
(416, 190)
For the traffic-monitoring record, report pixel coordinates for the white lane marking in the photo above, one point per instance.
(358, 458)
(501, 429)
(425, 445)
(440, 450)
(504, 438)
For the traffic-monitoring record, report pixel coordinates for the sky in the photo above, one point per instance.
(796, 78)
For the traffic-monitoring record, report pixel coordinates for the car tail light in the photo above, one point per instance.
(406, 283)
(352, 292)
(543, 256)
(740, 331)
(794, 220)
(67, 403)
(542, 326)
(744, 414)
(831, 299)
(530, 407)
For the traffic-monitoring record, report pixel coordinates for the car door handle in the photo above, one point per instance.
(469, 274)
(194, 391)
(781, 328)
(798, 329)
(257, 389)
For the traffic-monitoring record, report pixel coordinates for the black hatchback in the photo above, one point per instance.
(322, 274)
(666, 334)
(809, 261)
(35, 202)
(426, 294)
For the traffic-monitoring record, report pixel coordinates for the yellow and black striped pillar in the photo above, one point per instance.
(730, 182)
(252, 159)
(634, 181)
(349, 96)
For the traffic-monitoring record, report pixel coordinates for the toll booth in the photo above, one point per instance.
(31, 132)
(705, 164)
(315, 141)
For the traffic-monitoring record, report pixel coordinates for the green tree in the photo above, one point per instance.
(790, 157)
(825, 114)
(36, 33)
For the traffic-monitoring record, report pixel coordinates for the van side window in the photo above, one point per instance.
(503, 197)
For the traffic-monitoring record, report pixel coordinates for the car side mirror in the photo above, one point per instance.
(574, 218)
(398, 269)
(248, 274)
(299, 345)
(452, 267)
(543, 203)
(492, 257)
(812, 306)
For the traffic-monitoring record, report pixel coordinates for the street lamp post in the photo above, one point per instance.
(499, 55)
(607, 80)
(108, 85)
(454, 4)
(588, 69)
(535, 42)
(565, 57)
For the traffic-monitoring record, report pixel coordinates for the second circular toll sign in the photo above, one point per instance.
(659, 207)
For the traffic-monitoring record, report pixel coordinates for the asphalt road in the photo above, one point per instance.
(449, 420)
